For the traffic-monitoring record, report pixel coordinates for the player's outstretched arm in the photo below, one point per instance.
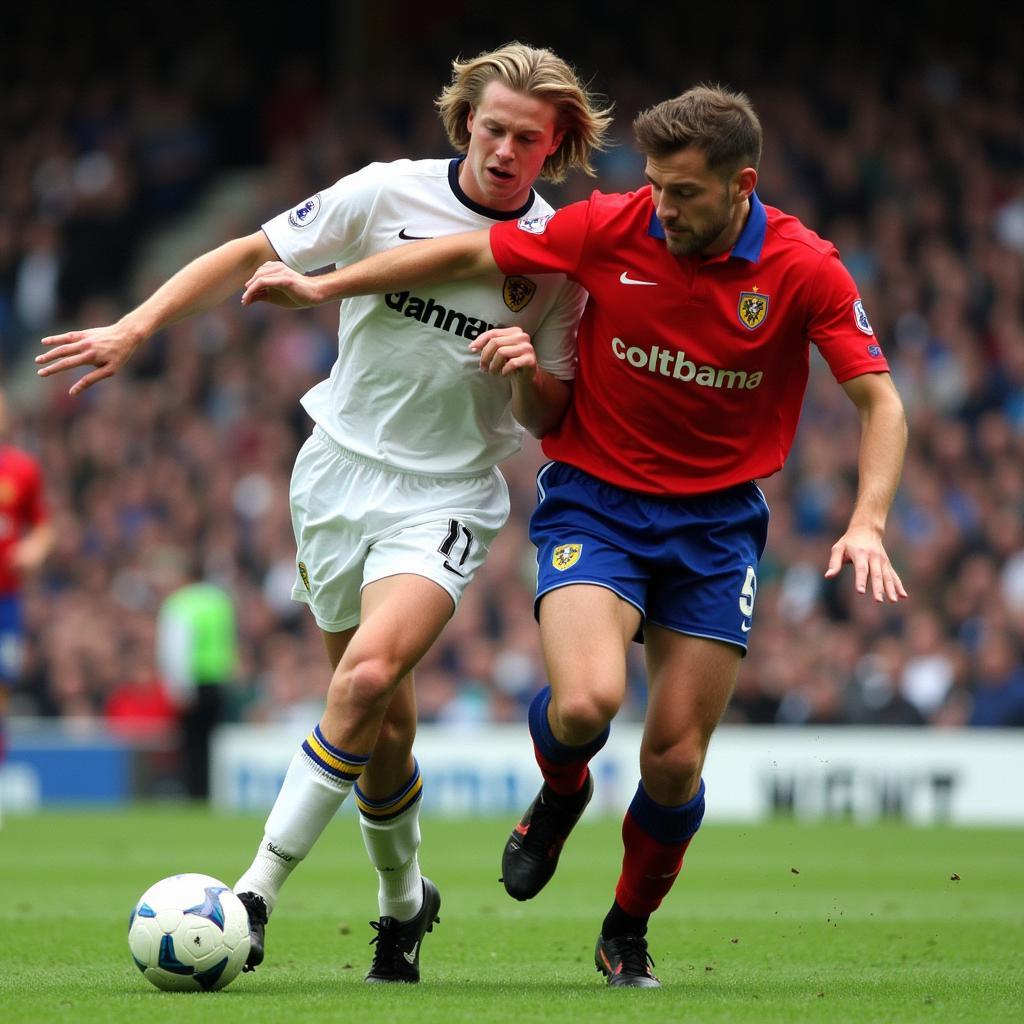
(883, 441)
(452, 258)
(201, 285)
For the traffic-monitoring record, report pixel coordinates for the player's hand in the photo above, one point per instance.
(505, 351)
(281, 286)
(106, 348)
(863, 549)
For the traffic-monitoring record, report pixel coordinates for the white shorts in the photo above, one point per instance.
(357, 521)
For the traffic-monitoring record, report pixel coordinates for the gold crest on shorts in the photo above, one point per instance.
(305, 576)
(565, 556)
(517, 292)
(752, 309)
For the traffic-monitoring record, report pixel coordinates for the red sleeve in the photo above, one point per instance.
(838, 324)
(33, 503)
(548, 244)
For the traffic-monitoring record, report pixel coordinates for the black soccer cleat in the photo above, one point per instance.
(256, 908)
(532, 851)
(397, 956)
(625, 962)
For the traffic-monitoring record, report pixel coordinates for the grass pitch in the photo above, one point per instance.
(779, 922)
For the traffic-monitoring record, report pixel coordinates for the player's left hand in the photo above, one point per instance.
(504, 351)
(863, 549)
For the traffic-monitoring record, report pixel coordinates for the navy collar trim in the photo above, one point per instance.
(484, 211)
(751, 240)
(748, 246)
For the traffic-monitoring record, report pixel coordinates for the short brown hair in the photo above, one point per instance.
(535, 72)
(719, 122)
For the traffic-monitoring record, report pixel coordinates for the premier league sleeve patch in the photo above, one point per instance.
(306, 213)
(860, 318)
(534, 225)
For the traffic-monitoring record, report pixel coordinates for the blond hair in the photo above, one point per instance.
(543, 75)
(720, 123)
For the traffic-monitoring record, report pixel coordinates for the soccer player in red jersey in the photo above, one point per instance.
(693, 361)
(26, 537)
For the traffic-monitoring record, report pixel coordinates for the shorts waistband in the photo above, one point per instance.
(339, 449)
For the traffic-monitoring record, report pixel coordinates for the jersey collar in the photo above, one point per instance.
(484, 211)
(751, 240)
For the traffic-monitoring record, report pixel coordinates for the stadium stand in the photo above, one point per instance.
(903, 148)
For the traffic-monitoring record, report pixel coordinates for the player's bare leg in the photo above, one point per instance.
(586, 631)
(690, 681)
(401, 617)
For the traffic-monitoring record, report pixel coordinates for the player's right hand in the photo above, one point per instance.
(281, 286)
(106, 348)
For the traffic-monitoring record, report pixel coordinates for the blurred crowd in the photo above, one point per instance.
(907, 153)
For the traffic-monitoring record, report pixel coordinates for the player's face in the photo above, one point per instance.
(702, 211)
(510, 136)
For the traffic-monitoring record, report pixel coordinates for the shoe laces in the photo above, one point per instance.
(387, 955)
(547, 826)
(633, 953)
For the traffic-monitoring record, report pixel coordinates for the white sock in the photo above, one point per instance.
(392, 844)
(318, 780)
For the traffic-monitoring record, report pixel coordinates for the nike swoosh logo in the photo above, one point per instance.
(626, 279)
(403, 234)
(410, 958)
(745, 626)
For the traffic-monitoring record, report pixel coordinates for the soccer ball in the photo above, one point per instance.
(189, 933)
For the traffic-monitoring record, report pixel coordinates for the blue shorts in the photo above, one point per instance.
(688, 564)
(10, 639)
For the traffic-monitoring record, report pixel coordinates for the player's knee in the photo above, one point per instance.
(578, 718)
(673, 766)
(365, 685)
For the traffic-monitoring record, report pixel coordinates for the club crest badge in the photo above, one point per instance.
(565, 556)
(303, 572)
(518, 292)
(752, 309)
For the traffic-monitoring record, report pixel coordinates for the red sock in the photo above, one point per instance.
(564, 778)
(649, 869)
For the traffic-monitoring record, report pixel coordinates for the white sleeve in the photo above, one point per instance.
(328, 227)
(555, 340)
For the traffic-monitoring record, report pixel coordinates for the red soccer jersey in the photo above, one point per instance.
(691, 371)
(21, 507)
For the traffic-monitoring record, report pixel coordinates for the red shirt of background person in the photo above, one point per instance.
(22, 509)
(710, 349)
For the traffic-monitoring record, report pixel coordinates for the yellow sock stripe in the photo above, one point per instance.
(347, 769)
(391, 809)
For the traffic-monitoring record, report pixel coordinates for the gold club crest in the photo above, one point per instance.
(305, 576)
(565, 556)
(517, 292)
(753, 308)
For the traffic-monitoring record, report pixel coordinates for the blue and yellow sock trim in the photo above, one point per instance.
(334, 762)
(394, 805)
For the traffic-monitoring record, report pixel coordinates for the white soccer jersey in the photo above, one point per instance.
(405, 390)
